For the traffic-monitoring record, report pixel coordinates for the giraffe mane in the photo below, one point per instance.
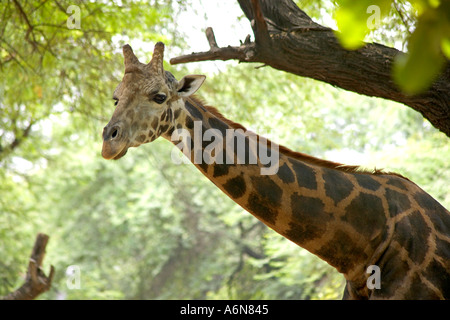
(299, 155)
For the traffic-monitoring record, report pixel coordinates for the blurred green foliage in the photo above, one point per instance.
(143, 227)
(426, 24)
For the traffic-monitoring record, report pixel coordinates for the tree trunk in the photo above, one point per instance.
(287, 39)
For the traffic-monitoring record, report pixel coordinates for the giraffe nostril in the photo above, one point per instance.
(114, 133)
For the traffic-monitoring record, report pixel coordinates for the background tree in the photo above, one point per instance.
(144, 227)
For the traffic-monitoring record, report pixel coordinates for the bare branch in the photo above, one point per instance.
(243, 53)
(223, 54)
(36, 282)
(211, 38)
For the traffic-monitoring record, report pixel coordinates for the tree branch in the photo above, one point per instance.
(18, 139)
(36, 282)
(27, 22)
(300, 46)
(259, 25)
(244, 53)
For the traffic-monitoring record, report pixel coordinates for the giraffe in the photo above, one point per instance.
(351, 218)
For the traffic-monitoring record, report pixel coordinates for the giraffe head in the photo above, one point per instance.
(144, 98)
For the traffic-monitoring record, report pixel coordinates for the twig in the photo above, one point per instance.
(402, 17)
(30, 26)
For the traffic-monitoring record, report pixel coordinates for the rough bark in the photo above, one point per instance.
(36, 282)
(287, 39)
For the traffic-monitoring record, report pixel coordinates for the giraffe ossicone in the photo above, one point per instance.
(351, 218)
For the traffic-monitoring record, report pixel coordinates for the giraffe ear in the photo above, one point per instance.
(189, 84)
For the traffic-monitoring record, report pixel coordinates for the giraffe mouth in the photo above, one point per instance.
(111, 153)
(121, 154)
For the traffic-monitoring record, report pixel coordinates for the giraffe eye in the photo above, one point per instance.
(116, 101)
(159, 98)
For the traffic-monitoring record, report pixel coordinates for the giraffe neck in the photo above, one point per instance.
(299, 200)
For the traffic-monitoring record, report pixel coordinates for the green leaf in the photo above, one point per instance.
(355, 19)
(415, 72)
(445, 44)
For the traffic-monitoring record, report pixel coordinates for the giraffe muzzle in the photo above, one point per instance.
(114, 144)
